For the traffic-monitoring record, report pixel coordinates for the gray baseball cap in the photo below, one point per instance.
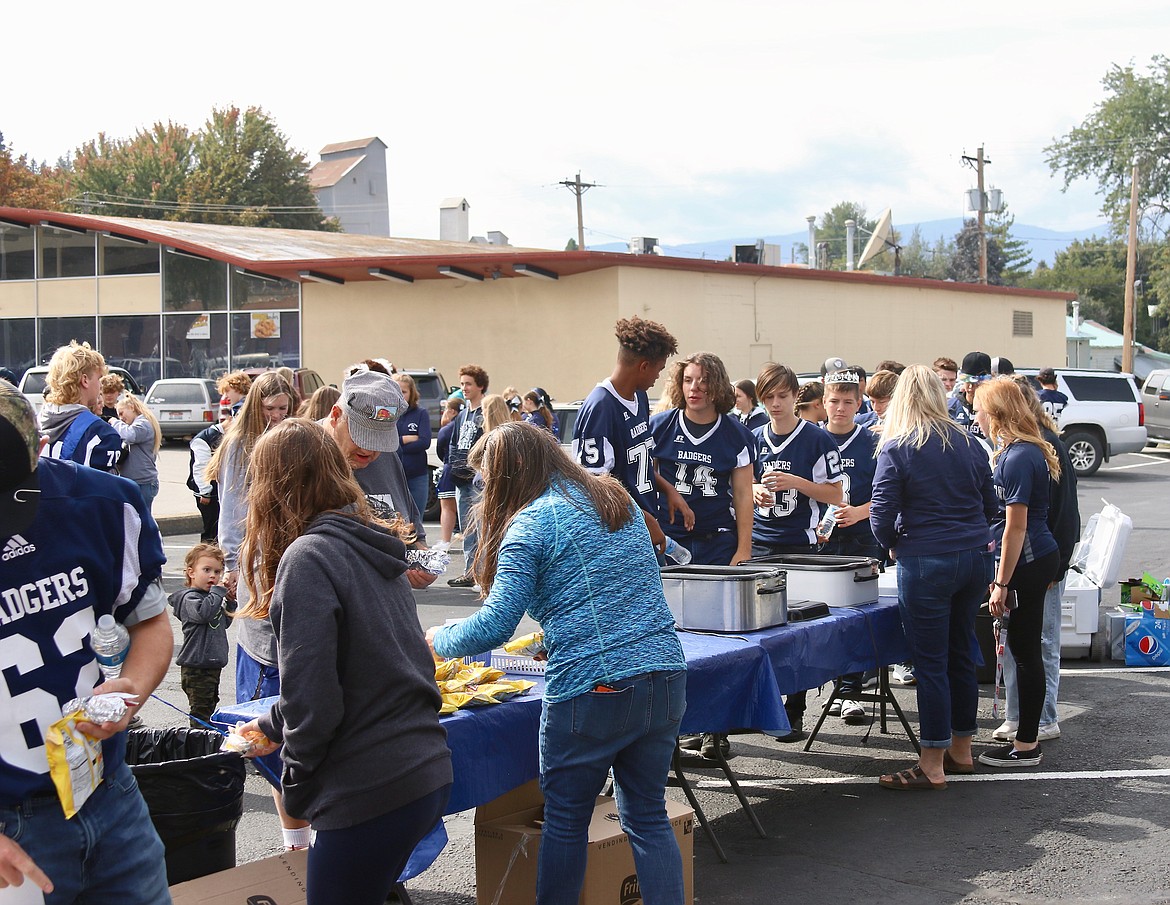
(372, 403)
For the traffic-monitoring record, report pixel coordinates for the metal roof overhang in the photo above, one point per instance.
(491, 263)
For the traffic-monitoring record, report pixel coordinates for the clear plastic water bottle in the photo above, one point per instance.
(677, 551)
(828, 523)
(110, 641)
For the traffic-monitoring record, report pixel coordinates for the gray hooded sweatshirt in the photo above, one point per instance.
(358, 708)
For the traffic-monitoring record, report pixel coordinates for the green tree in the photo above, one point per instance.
(571, 245)
(1095, 270)
(925, 261)
(245, 173)
(24, 183)
(141, 176)
(1131, 124)
(1017, 258)
(964, 263)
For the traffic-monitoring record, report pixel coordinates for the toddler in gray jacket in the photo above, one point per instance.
(203, 607)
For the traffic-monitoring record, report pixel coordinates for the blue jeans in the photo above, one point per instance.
(108, 852)
(419, 486)
(466, 496)
(1050, 647)
(632, 729)
(938, 597)
(149, 491)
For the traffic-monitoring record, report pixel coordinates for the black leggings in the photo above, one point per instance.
(1030, 582)
(361, 864)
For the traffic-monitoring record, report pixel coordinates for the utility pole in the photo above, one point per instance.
(579, 188)
(1130, 272)
(979, 162)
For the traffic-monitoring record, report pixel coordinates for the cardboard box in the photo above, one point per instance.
(273, 881)
(507, 839)
(1134, 593)
(1115, 634)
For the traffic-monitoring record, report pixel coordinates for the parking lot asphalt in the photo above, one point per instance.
(1089, 826)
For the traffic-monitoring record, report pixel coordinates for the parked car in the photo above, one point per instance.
(35, 380)
(433, 391)
(183, 405)
(1156, 398)
(1105, 416)
(305, 381)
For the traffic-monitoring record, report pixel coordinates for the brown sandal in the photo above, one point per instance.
(950, 765)
(912, 780)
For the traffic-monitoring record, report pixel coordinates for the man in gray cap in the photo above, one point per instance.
(364, 423)
(78, 544)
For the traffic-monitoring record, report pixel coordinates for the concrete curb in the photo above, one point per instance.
(170, 525)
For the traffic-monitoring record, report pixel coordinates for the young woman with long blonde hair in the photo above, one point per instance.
(365, 761)
(1027, 555)
(573, 550)
(932, 501)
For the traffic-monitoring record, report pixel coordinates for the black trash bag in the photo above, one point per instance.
(195, 795)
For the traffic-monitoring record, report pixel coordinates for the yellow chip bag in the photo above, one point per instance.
(447, 669)
(75, 762)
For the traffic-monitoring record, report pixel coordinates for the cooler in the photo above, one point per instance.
(1096, 564)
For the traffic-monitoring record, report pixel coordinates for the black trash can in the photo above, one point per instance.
(195, 795)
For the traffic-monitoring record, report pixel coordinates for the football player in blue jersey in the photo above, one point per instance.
(707, 455)
(73, 390)
(612, 432)
(798, 474)
(961, 407)
(77, 545)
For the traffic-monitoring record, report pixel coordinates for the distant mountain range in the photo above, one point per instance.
(1043, 243)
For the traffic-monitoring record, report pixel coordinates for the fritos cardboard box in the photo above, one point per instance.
(507, 839)
(273, 881)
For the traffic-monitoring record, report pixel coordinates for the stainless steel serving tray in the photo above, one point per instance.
(726, 598)
(837, 580)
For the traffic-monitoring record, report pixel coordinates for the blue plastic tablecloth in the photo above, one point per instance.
(733, 682)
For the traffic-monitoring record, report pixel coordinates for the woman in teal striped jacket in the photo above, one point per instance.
(572, 550)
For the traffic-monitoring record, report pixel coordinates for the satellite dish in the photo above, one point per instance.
(879, 239)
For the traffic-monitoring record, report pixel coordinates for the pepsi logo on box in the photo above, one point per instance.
(1147, 639)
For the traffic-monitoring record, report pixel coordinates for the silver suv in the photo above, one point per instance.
(1104, 417)
(1156, 397)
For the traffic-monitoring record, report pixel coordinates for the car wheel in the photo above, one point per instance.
(1085, 451)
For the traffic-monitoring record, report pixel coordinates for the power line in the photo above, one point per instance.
(579, 188)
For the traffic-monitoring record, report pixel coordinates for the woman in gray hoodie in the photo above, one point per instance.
(365, 761)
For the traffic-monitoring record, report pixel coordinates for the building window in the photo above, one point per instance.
(251, 293)
(1021, 323)
(266, 339)
(131, 342)
(17, 253)
(193, 283)
(67, 254)
(197, 345)
(120, 257)
(57, 331)
(18, 342)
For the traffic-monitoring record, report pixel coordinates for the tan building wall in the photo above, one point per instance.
(560, 335)
(67, 297)
(18, 298)
(139, 294)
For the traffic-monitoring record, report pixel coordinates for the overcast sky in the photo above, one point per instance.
(699, 120)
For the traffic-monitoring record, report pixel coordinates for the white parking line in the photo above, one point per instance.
(1113, 670)
(1009, 776)
(1152, 461)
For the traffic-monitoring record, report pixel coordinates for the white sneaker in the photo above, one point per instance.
(852, 712)
(1007, 731)
(901, 674)
(1047, 731)
(443, 545)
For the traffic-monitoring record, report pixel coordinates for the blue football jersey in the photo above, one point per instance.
(808, 452)
(963, 416)
(93, 549)
(858, 463)
(700, 467)
(612, 436)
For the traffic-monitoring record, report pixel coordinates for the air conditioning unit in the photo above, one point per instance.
(644, 245)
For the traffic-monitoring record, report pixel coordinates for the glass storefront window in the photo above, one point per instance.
(57, 331)
(197, 345)
(193, 284)
(17, 253)
(131, 342)
(18, 341)
(67, 254)
(266, 339)
(120, 257)
(251, 293)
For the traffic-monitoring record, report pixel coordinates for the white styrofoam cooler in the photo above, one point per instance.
(1096, 563)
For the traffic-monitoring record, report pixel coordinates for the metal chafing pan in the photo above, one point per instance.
(726, 598)
(837, 580)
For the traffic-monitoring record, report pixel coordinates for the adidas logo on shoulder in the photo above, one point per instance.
(16, 546)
